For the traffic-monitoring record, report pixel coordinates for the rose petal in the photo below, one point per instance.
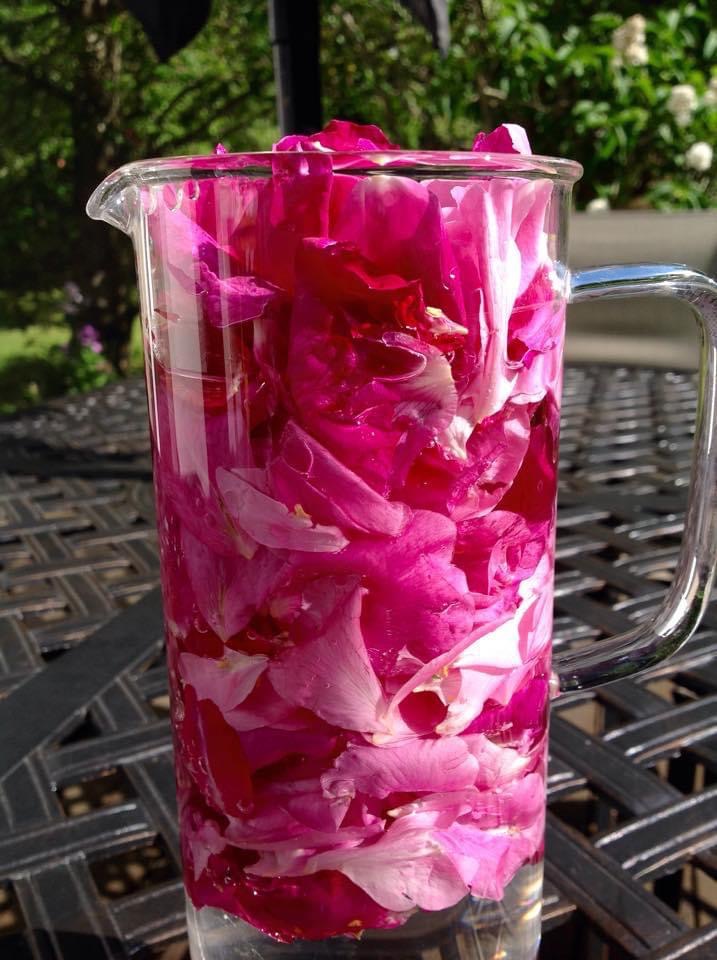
(331, 674)
(306, 472)
(417, 766)
(238, 299)
(270, 523)
(507, 138)
(402, 870)
(229, 591)
(339, 135)
(227, 682)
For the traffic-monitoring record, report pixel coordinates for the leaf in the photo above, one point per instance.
(710, 47)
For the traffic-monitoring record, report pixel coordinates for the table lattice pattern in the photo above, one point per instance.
(88, 842)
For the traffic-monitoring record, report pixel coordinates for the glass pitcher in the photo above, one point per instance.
(353, 367)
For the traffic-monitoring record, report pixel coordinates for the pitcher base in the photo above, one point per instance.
(473, 930)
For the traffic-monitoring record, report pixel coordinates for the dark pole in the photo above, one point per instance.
(295, 36)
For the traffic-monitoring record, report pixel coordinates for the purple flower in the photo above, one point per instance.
(89, 337)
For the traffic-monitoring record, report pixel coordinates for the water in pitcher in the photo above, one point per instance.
(354, 387)
(472, 930)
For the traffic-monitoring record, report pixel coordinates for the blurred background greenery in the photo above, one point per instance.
(633, 98)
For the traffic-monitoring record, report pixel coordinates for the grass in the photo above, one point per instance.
(34, 366)
(33, 341)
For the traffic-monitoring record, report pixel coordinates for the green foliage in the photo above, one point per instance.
(83, 93)
(37, 364)
(547, 64)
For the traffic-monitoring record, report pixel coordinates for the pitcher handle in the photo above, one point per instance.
(676, 620)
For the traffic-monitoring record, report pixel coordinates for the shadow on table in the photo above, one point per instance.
(41, 459)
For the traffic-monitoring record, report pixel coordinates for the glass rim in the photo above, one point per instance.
(112, 198)
(422, 163)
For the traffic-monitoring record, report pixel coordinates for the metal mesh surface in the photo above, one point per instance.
(88, 841)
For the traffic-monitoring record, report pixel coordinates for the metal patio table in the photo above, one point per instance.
(88, 835)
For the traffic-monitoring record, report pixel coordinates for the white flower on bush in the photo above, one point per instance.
(630, 43)
(710, 97)
(699, 157)
(598, 205)
(637, 55)
(682, 103)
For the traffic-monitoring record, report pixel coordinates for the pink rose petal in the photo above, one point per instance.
(227, 682)
(416, 766)
(306, 472)
(270, 523)
(331, 674)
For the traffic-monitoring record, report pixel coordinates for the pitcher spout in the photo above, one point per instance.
(116, 200)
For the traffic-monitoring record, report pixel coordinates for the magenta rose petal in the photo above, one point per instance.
(499, 551)
(293, 204)
(266, 746)
(396, 223)
(229, 593)
(339, 135)
(239, 299)
(507, 138)
(314, 907)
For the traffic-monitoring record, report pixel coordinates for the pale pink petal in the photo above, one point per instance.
(306, 472)
(228, 681)
(229, 590)
(263, 708)
(431, 676)
(271, 523)
(489, 847)
(201, 838)
(498, 765)
(264, 827)
(500, 229)
(416, 766)
(331, 674)
(438, 809)
(495, 452)
(404, 869)
(495, 666)
(306, 801)
(429, 396)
